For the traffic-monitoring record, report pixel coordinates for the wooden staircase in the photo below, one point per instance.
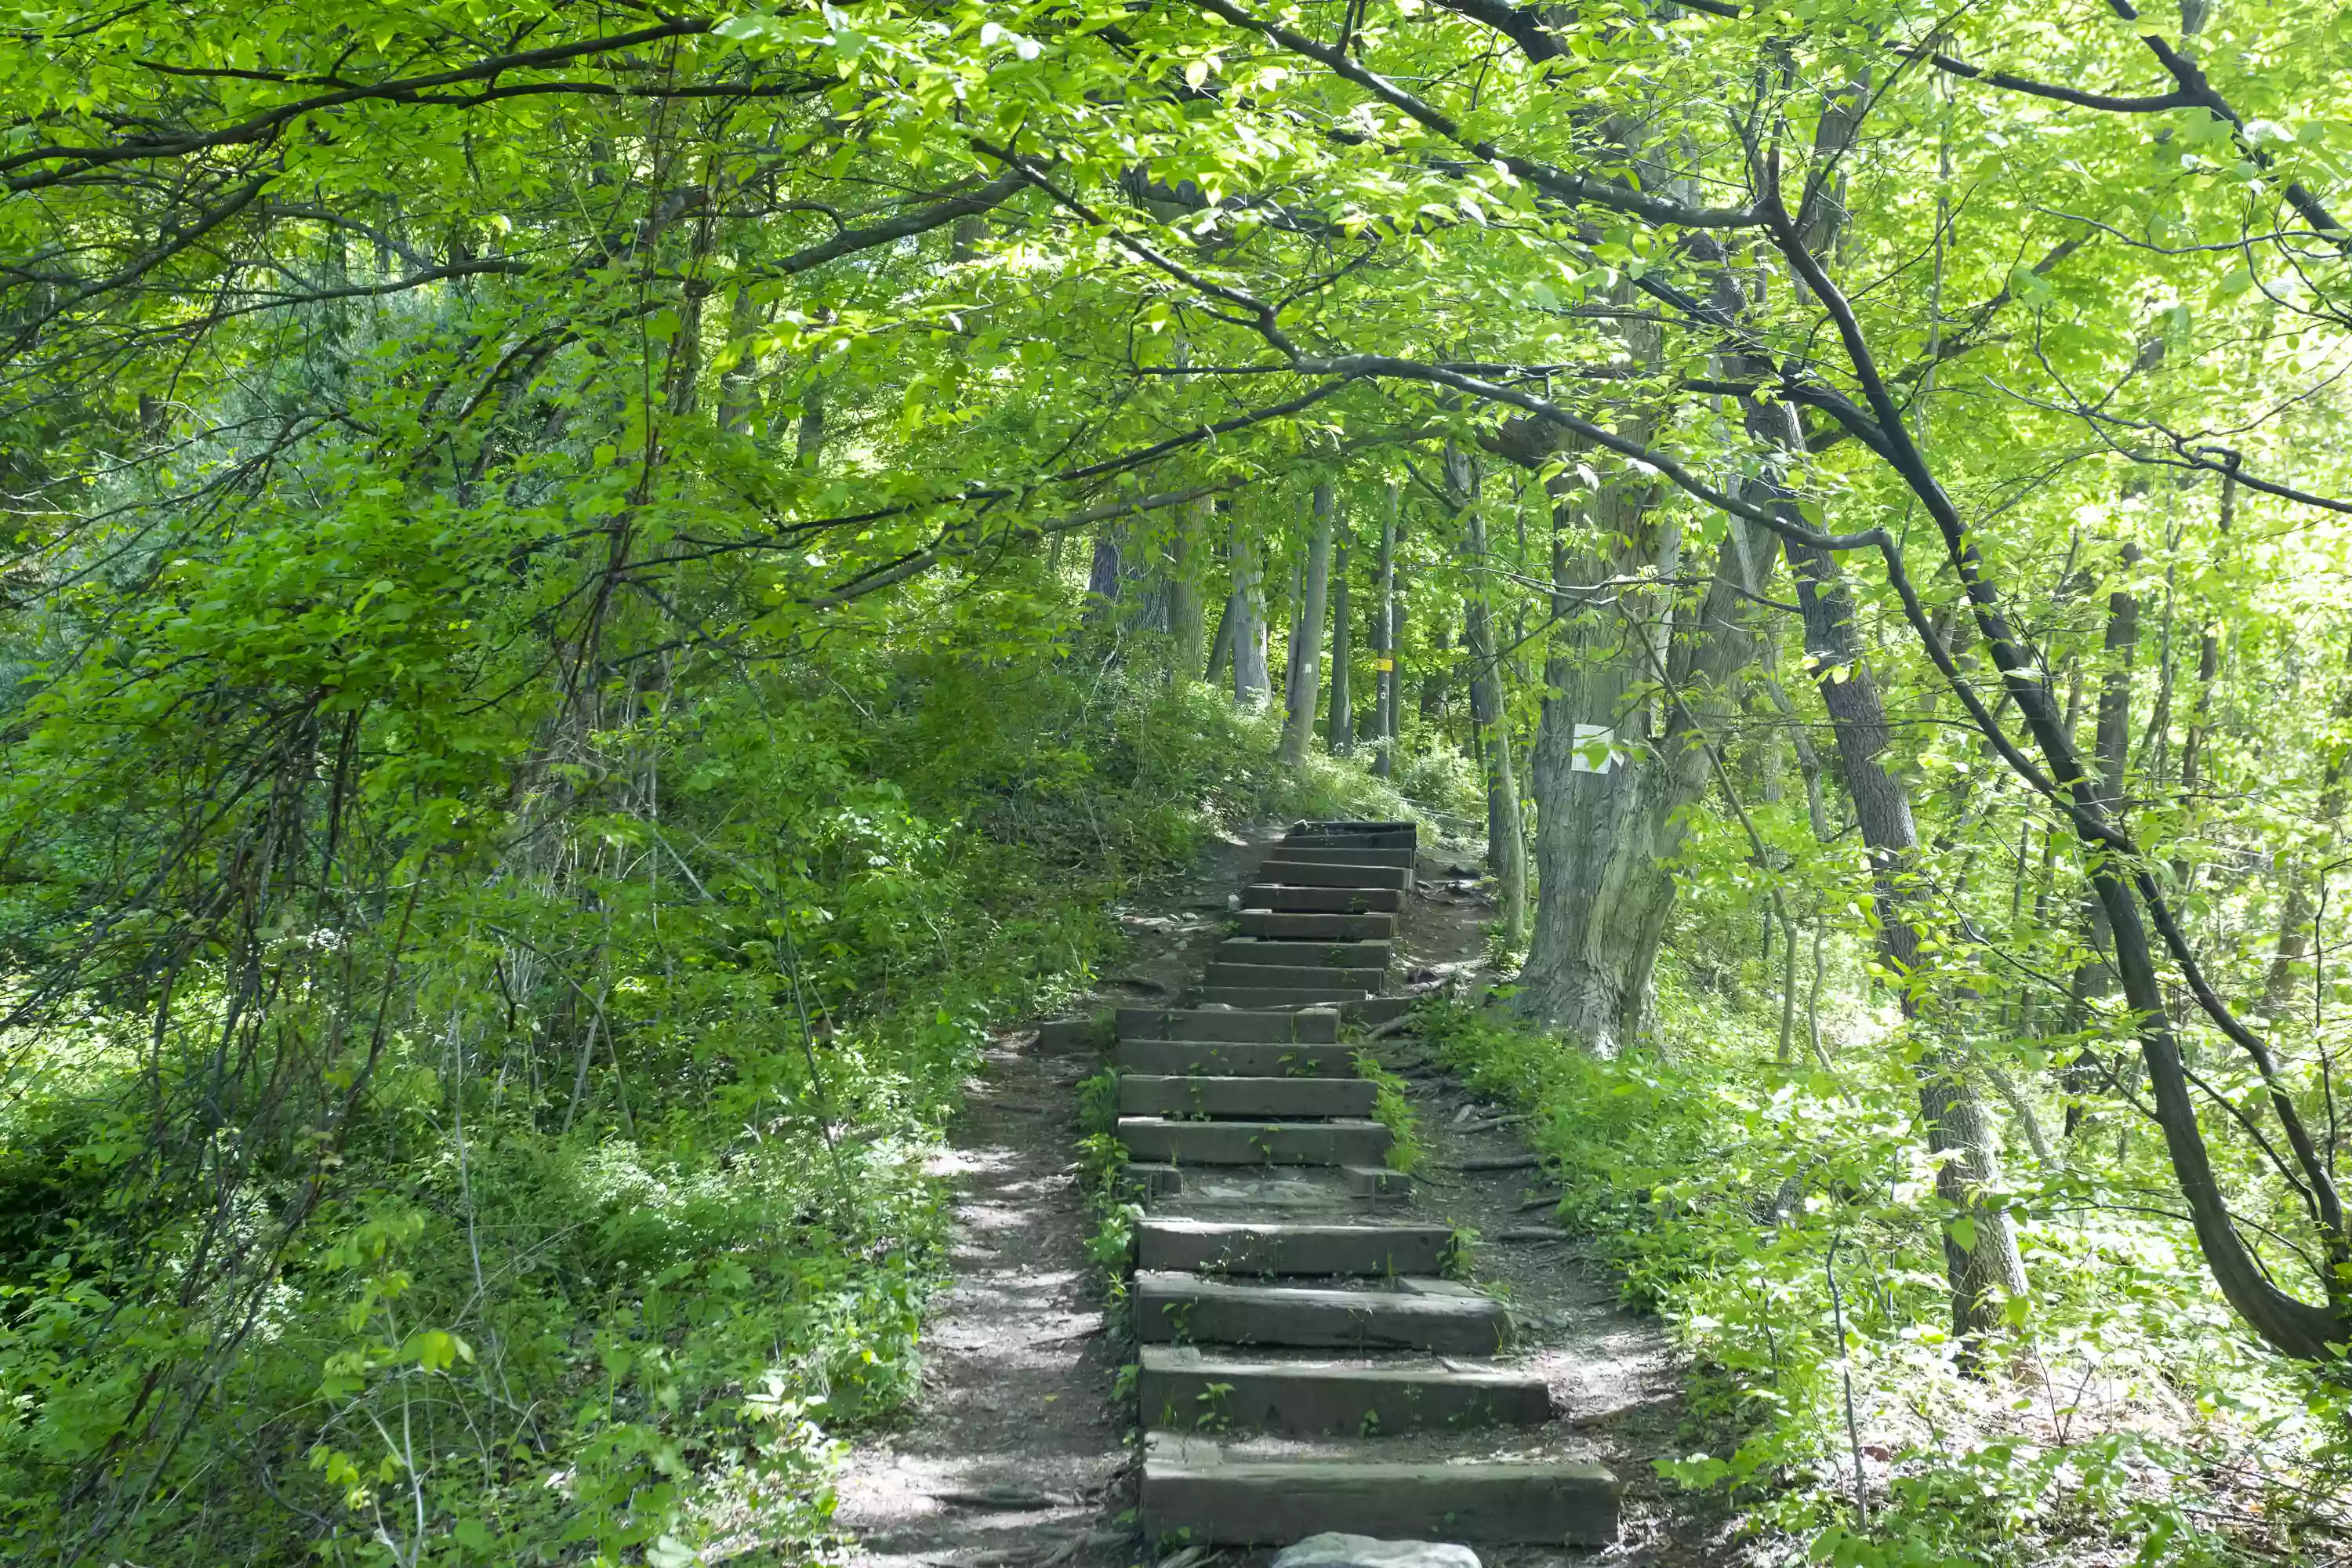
(1305, 1364)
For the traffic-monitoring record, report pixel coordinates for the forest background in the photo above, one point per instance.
(596, 591)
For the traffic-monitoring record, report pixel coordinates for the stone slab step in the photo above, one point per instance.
(1352, 838)
(1285, 871)
(1234, 1058)
(1376, 1182)
(1272, 1246)
(1193, 1487)
(1344, 854)
(1222, 971)
(1416, 1315)
(1182, 1386)
(1225, 1024)
(1355, 824)
(1374, 955)
(1269, 926)
(1159, 1139)
(1277, 897)
(1287, 996)
(1145, 1180)
(1271, 1099)
(1316, 1195)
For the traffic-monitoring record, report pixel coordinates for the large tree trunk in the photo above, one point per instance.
(1105, 578)
(1340, 726)
(1307, 639)
(1185, 550)
(1612, 780)
(1245, 612)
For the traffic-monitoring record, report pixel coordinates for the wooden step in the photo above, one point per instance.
(1356, 825)
(1161, 1140)
(1288, 996)
(1180, 1387)
(1144, 1181)
(1286, 872)
(1224, 971)
(1225, 1024)
(1416, 1315)
(1352, 838)
(1277, 897)
(1269, 926)
(1275, 1247)
(1235, 1058)
(1270, 1098)
(1192, 1488)
(1344, 855)
(1376, 1182)
(1328, 954)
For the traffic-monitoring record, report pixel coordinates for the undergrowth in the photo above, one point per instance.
(1783, 1224)
(628, 1224)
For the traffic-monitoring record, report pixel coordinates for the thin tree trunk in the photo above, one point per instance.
(1388, 620)
(1340, 726)
(1955, 1118)
(1981, 1260)
(2296, 934)
(2095, 977)
(1506, 848)
(1222, 647)
(1306, 637)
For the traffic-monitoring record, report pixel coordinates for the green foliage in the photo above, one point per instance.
(1393, 1111)
(595, 596)
(1726, 1192)
(613, 1250)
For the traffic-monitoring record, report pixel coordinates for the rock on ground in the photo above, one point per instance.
(1334, 1550)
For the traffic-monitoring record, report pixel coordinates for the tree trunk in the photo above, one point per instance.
(2296, 935)
(1613, 784)
(1306, 638)
(1105, 579)
(1388, 620)
(2094, 978)
(1185, 608)
(1245, 612)
(1506, 847)
(1339, 727)
(1989, 1263)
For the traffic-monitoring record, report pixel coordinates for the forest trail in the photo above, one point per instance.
(1323, 1343)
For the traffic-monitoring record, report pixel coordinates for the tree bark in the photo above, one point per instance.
(1340, 725)
(1185, 608)
(1613, 782)
(1306, 638)
(1384, 646)
(1989, 1263)
(1506, 847)
(1245, 612)
(2296, 934)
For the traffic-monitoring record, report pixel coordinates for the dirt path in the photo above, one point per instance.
(1015, 1452)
